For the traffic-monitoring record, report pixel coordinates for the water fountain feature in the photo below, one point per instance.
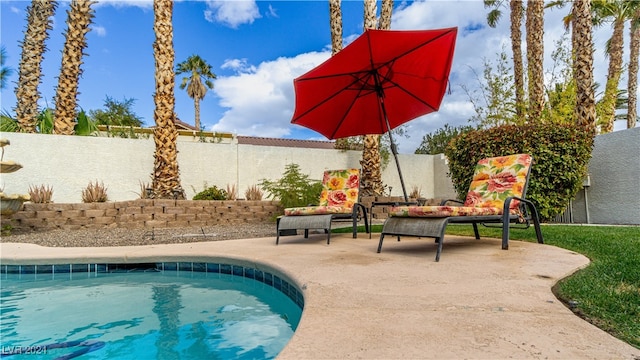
(10, 203)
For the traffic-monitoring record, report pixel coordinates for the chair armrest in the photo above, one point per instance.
(444, 202)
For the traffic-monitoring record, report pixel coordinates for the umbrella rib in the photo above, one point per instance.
(355, 98)
(412, 95)
(338, 91)
(410, 50)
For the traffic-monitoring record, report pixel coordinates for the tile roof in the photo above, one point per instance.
(263, 141)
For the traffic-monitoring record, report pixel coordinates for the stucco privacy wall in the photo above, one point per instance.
(69, 163)
(613, 196)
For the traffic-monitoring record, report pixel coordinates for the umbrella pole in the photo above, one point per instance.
(394, 150)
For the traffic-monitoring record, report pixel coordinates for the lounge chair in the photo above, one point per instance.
(496, 195)
(338, 200)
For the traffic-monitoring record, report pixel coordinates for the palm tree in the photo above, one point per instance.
(585, 114)
(335, 23)
(385, 15)
(632, 87)
(196, 89)
(617, 12)
(535, 57)
(39, 22)
(4, 71)
(371, 181)
(166, 176)
(516, 13)
(79, 18)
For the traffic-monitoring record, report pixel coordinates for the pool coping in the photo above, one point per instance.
(478, 302)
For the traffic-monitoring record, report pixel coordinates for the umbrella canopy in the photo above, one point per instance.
(378, 82)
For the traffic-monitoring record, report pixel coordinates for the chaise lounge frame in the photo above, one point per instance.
(434, 227)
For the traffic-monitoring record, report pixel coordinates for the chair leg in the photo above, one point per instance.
(475, 231)
(354, 217)
(277, 230)
(380, 244)
(536, 221)
(366, 221)
(505, 229)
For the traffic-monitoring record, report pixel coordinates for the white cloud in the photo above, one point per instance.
(99, 30)
(260, 101)
(148, 4)
(272, 12)
(232, 13)
(238, 65)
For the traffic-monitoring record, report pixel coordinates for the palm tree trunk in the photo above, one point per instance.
(79, 18)
(585, 114)
(196, 105)
(613, 77)
(385, 15)
(535, 57)
(632, 87)
(39, 21)
(516, 48)
(335, 23)
(371, 181)
(166, 176)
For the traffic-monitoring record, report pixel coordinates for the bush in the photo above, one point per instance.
(232, 192)
(94, 192)
(293, 189)
(560, 157)
(211, 193)
(41, 194)
(253, 193)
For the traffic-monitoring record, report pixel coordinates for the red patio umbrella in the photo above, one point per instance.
(381, 80)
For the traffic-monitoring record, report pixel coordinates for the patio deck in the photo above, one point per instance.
(477, 302)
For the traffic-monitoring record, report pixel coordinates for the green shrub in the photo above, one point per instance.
(211, 193)
(560, 157)
(293, 189)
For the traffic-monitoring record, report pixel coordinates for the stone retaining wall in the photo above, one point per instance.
(160, 213)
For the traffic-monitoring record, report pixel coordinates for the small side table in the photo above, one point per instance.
(386, 203)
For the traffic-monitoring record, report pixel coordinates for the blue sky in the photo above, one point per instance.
(256, 49)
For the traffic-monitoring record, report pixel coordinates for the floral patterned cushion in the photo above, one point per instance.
(340, 190)
(493, 181)
(497, 178)
(443, 211)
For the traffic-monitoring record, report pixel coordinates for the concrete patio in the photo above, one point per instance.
(478, 302)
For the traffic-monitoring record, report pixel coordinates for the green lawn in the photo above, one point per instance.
(607, 292)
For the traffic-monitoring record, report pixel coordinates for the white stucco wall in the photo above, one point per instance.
(613, 196)
(69, 163)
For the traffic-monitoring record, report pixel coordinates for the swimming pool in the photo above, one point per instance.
(172, 310)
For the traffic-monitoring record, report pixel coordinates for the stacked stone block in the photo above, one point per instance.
(159, 213)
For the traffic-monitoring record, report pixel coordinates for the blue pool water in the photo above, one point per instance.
(146, 312)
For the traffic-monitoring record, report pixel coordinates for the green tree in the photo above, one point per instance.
(5, 71)
(616, 12)
(118, 113)
(437, 141)
(493, 101)
(294, 188)
(516, 13)
(199, 70)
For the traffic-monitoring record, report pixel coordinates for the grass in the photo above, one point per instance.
(607, 292)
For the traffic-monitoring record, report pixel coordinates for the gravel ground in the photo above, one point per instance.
(129, 237)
